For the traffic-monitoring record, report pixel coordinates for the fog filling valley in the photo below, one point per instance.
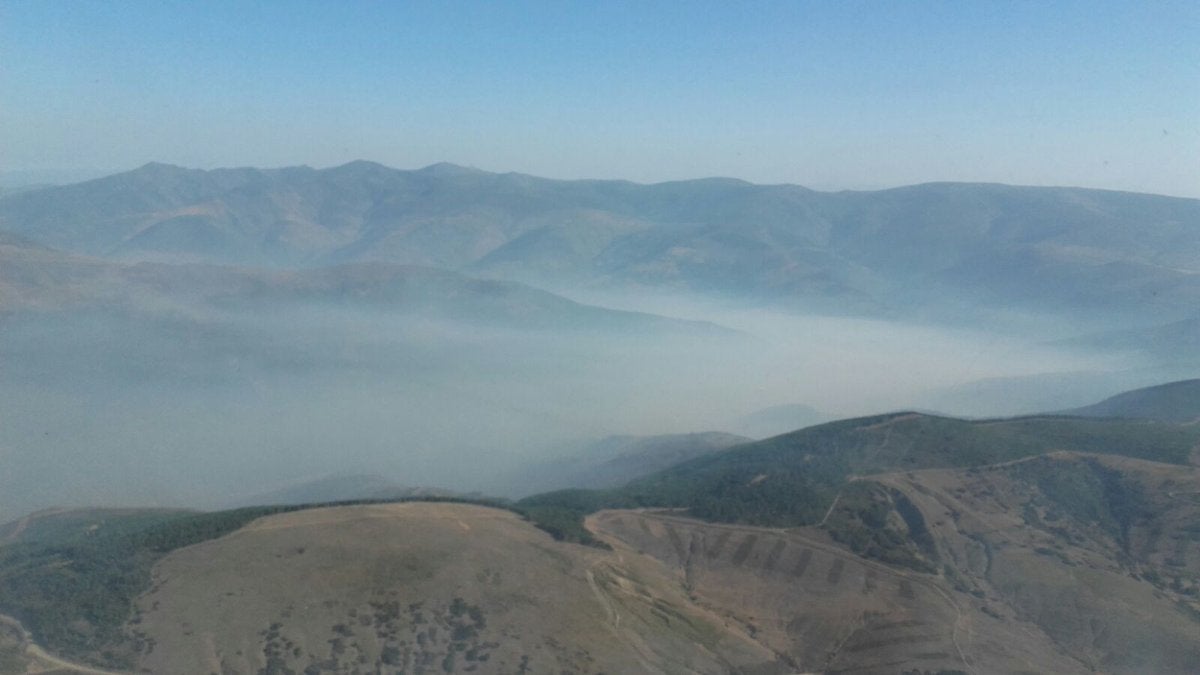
(202, 408)
(182, 337)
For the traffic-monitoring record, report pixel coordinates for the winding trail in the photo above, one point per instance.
(644, 656)
(33, 650)
(22, 524)
(887, 438)
(614, 617)
(1177, 495)
(832, 506)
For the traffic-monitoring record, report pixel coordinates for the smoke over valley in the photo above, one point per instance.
(649, 338)
(187, 338)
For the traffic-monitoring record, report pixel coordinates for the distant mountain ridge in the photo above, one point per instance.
(925, 246)
(779, 419)
(615, 460)
(340, 488)
(38, 278)
(1177, 402)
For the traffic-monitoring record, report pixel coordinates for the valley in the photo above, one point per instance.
(301, 389)
(566, 338)
(1044, 544)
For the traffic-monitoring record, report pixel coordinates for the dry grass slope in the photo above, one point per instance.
(417, 587)
(820, 608)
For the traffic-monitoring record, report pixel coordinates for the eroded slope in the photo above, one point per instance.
(1101, 553)
(824, 609)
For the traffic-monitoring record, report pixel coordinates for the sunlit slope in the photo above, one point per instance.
(1100, 554)
(423, 588)
(1065, 562)
(824, 609)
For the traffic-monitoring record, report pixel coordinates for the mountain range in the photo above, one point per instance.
(934, 249)
(33, 277)
(178, 339)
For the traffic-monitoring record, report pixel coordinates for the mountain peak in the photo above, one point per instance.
(446, 169)
(359, 167)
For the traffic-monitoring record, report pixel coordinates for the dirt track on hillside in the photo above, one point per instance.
(42, 661)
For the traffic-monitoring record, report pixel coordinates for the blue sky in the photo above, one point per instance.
(826, 94)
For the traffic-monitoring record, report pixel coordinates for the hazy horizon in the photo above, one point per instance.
(105, 409)
(36, 178)
(845, 96)
(831, 97)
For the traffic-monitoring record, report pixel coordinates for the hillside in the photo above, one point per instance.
(198, 335)
(1043, 544)
(1068, 562)
(794, 478)
(1177, 402)
(1050, 564)
(442, 588)
(615, 460)
(1099, 552)
(419, 587)
(1067, 250)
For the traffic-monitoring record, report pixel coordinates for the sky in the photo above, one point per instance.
(831, 95)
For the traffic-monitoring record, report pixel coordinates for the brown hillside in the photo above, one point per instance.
(1025, 541)
(423, 588)
(1064, 563)
(824, 609)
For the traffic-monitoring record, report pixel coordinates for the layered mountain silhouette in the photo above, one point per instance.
(173, 337)
(935, 248)
(33, 277)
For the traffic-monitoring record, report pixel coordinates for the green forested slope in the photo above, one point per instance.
(792, 479)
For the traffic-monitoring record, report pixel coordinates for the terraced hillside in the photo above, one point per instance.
(823, 609)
